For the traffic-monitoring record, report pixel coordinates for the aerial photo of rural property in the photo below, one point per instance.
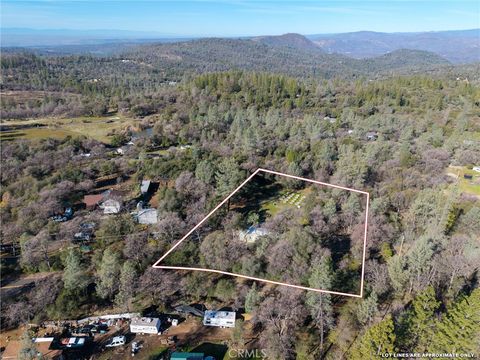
(239, 179)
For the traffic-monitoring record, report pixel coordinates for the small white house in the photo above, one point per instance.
(145, 325)
(219, 318)
(147, 216)
(111, 206)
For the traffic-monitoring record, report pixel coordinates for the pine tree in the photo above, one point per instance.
(378, 339)
(108, 274)
(459, 329)
(252, 299)
(127, 286)
(321, 304)
(367, 309)
(74, 279)
(228, 177)
(417, 326)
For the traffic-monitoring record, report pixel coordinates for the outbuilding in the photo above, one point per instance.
(219, 318)
(145, 186)
(111, 206)
(371, 135)
(147, 216)
(145, 325)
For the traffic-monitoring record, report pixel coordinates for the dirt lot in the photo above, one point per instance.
(189, 335)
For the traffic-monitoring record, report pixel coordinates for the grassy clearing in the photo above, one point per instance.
(285, 199)
(98, 128)
(467, 186)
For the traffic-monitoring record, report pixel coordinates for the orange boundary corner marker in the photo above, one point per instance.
(174, 246)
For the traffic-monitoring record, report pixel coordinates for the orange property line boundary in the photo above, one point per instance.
(157, 266)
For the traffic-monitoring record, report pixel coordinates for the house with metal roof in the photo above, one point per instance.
(219, 318)
(147, 216)
(145, 325)
(252, 234)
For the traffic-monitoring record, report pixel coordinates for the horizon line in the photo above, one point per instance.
(179, 35)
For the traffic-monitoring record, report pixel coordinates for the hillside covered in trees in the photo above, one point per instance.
(75, 85)
(408, 139)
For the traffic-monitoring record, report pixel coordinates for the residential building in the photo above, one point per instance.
(252, 234)
(145, 325)
(147, 216)
(219, 318)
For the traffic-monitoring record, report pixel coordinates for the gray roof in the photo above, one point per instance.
(145, 321)
(145, 186)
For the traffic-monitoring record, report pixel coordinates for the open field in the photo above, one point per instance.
(467, 186)
(284, 200)
(98, 128)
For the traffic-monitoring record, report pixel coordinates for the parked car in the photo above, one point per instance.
(85, 330)
(81, 237)
(87, 226)
(100, 329)
(67, 215)
(116, 341)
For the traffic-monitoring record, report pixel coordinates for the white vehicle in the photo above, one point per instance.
(116, 341)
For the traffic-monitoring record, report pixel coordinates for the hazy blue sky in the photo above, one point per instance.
(237, 17)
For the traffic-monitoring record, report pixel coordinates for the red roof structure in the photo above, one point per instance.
(92, 200)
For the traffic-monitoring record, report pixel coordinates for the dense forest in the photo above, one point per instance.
(395, 135)
(73, 85)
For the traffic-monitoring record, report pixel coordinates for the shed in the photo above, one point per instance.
(111, 206)
(145, 186)
(371, 135)
(219, 318)
(147, 216)
(186, 356)
(145, 325)
(187, 309)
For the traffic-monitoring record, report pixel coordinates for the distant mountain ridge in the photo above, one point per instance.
(291, 40)
(288, 55)
(457, 46)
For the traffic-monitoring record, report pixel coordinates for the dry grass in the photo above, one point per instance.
(98, 128)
